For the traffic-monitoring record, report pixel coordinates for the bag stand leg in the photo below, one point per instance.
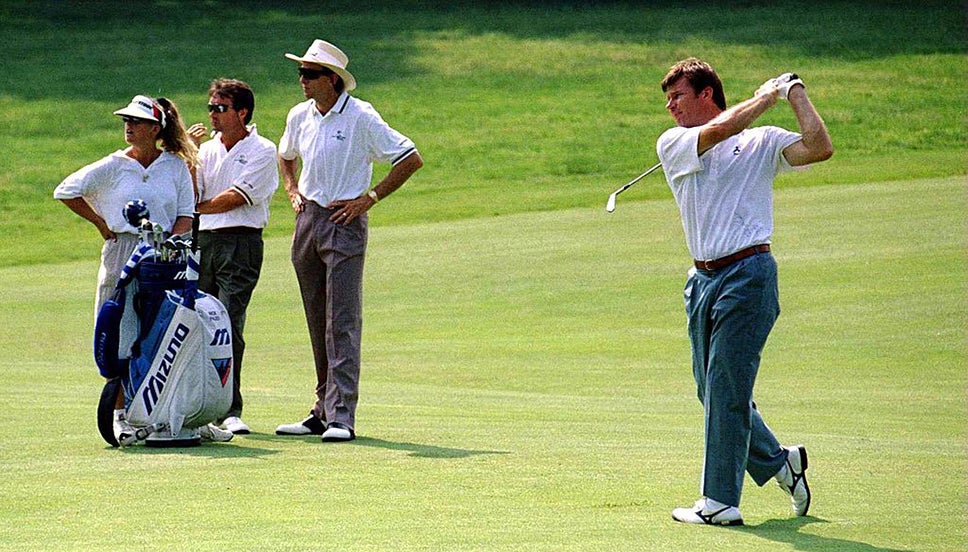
(105, 411)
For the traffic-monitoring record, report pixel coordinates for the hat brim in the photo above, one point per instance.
(135, 113)
(348, 79)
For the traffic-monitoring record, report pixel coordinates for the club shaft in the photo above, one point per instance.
(651, 170)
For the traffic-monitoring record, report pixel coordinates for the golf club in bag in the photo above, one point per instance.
(171, 359)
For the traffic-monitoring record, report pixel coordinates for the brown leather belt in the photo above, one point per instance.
(723, 262)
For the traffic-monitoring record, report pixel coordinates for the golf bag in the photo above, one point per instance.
(172, 361)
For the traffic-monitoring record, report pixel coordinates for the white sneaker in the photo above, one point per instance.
(701, 514)
(795, 481)
(212, 432)
(235, 425)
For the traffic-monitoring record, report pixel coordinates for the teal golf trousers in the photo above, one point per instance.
(731, 312)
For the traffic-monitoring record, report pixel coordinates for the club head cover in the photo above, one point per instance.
(135, 211)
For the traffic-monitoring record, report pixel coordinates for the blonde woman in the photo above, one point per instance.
(154, 168)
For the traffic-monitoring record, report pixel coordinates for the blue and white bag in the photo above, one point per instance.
(177, 373)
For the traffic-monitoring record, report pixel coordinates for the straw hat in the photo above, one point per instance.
(329, 56)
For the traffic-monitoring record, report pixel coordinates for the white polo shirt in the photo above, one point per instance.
(111, 182)
(338, 149)
(249, 168)
(725, 196)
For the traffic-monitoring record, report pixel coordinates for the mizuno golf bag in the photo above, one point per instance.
(173, 360)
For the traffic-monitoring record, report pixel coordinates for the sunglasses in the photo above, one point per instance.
(313, 74)
(220, 108)
(135, 120)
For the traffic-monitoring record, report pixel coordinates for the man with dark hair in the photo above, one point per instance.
(337, 138)
(721, 173)
(700, 76)
(235, 179)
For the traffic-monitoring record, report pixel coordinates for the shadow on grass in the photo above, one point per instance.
(424, 451)
(185, 44)
(789, 531)
(233, 449)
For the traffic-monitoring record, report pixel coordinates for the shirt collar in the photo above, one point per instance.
(344, 98)
(339, 107)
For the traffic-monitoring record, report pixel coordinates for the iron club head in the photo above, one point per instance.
(610, 206)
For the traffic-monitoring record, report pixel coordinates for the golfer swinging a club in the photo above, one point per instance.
(721, 173)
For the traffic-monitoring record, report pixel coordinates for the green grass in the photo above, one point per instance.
(526, 373)
(527, 387)
(516, 107)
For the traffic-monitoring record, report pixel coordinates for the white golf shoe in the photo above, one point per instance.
(793, 479)
(235, 425)
(212, 432)
(705, 513)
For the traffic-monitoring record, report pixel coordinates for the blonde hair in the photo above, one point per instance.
(174, 137)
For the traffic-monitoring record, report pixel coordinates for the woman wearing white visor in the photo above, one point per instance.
(153, 168)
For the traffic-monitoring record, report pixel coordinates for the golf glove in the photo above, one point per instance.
(785, 82)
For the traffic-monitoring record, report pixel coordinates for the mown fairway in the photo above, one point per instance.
(516, 108)
(526, 373)
(527, 387)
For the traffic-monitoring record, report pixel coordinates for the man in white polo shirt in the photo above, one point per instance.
(721, 173)
(235, 179)
(338, 138)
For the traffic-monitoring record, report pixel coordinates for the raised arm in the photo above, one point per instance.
(816, 144)
(735, 119)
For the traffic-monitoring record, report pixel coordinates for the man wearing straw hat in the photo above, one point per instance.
(337, 138)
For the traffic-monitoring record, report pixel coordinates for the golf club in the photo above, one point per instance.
(175, 246)
(147, 232)
(158, 237)
(610, 206)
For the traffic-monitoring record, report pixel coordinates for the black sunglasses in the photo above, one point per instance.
(134, 120)
(221, 108)
(313, 74)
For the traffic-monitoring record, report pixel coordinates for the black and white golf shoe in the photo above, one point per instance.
(794, 482)
(702, 514)
(311, 425)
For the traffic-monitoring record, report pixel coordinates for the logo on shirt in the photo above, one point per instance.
(340, 136)
(241, 159)
(736, 150)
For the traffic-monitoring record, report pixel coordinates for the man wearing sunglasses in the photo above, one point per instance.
(235, 179)
(337, 138)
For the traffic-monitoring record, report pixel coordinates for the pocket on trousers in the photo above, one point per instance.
(350, 240)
